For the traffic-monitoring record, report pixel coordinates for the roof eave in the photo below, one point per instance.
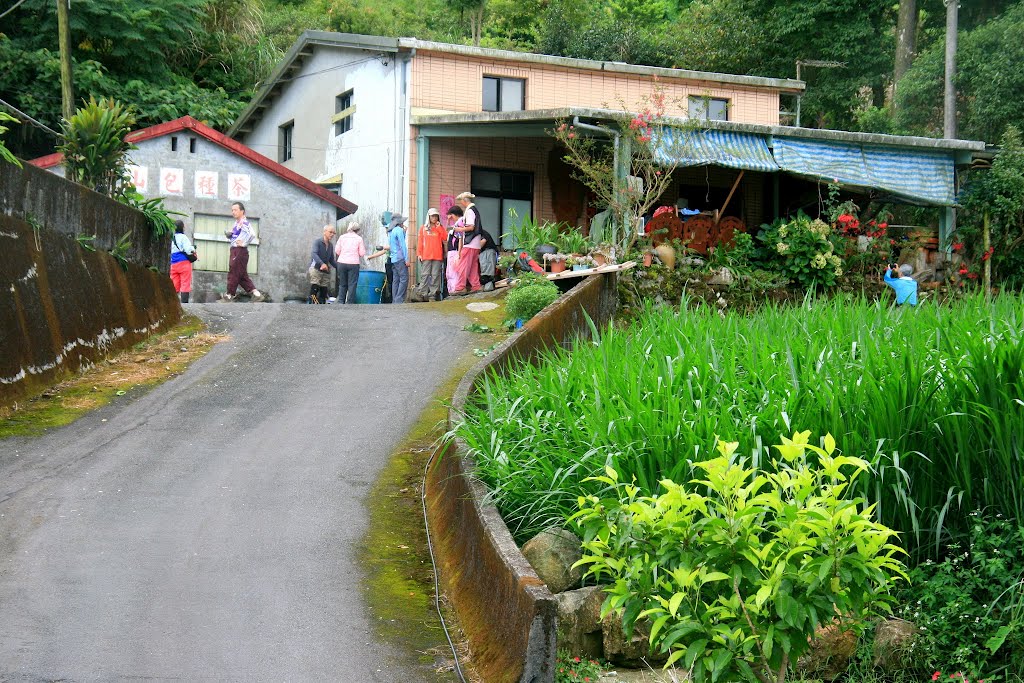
(761, 129)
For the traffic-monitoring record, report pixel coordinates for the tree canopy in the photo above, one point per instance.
(207, 57)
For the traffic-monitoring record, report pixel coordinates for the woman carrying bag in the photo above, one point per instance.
(183, 255)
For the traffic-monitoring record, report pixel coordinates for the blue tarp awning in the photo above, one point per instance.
(714, 148)
(918, 175)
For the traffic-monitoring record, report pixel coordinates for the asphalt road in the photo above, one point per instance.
(208, 530)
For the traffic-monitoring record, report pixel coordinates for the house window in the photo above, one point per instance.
(214, 248)
(504, 94)
(174, 143)
(344, 111)
(708, 108)
(191, 145)
(284, 141)
(505, 199)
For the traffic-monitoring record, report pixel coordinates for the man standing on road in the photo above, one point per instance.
(399, 256)
(320, 267)
(238, 263)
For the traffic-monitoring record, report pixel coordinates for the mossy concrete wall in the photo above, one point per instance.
(63, 307)
(49, 201)
(506, 611)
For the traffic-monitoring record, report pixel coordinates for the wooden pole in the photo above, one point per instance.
(736, 184)
(987, 237)
(67, 92)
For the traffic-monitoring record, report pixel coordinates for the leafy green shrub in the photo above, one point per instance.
(803, 249)
(94, 148)
(734, 571)
(931, 397)
(5, 154)
(529, 298)
(970, 604)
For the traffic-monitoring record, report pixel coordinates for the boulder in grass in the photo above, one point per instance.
(832, 648)
(553, 553)
(893, 640)
(579, 621)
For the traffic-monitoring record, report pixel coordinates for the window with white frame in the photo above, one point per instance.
(708, 108)
(344, 111)
(504, 94)
(214, 248)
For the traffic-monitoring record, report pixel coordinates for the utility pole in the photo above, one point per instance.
(67, 91)
(949, 104)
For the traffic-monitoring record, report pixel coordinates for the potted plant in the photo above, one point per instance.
(578, 263)
(556, 261)
(603, 254)
(573, 242)
(547, 236)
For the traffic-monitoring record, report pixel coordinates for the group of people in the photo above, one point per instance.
(183, 254)
(455, 256)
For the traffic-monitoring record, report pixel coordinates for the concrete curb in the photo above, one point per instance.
(508, 614)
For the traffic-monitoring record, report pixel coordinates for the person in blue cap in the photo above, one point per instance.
(898, 277)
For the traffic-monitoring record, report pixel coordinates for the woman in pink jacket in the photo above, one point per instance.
(349, 251)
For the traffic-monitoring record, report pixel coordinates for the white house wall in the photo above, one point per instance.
(371, 155)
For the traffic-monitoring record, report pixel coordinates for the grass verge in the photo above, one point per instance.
(399, 580)
(143, 366)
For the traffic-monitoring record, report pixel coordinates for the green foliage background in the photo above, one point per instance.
(207, 57)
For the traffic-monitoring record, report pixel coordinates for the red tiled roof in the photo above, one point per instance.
(189, 123)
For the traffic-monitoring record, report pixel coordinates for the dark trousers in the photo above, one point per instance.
(238, 271)
(348, 280)
(385, 294)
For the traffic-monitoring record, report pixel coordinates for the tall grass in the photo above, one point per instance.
(932, 396)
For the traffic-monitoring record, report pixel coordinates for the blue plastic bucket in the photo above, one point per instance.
(370, 287)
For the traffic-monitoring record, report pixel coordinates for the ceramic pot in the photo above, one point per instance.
(648, 259)
(557, 266)
(667, 255)
(600, 259)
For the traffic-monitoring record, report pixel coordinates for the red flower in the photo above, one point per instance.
(892, 241)
(854, 224)
(962, 271)
(973, 276)
(958, 246)
(576, 659)
(572, 135)
(883, 226)
(988, 254)
(845, 218)
(935, 676)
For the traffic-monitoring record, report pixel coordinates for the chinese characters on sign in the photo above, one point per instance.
(140, 178)
(206, 184)
(172, 181)
(239, 187)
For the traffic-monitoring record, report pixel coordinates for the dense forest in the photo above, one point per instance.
(207, 57)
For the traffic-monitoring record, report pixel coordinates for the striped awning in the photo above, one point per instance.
(744, 151)
(918, 175)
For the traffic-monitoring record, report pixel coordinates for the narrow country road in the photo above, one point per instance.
(208, 530)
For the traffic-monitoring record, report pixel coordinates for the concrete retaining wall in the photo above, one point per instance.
(507, 612)
(63, 307)
(45, 199)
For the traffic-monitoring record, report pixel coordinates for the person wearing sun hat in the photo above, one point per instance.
(398, 253)
(430, 254)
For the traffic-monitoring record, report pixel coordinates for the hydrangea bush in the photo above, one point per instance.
(803, 249)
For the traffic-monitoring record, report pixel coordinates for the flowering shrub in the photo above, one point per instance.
(571, 669)
(803, 249)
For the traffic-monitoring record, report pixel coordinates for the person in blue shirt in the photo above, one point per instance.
(898, 277)
(399, 256)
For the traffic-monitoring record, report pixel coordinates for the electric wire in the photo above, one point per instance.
(433, 563)
(31, 120)
(8, 11)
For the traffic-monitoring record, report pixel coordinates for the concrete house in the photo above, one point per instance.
(403, 124)
(200, 172)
